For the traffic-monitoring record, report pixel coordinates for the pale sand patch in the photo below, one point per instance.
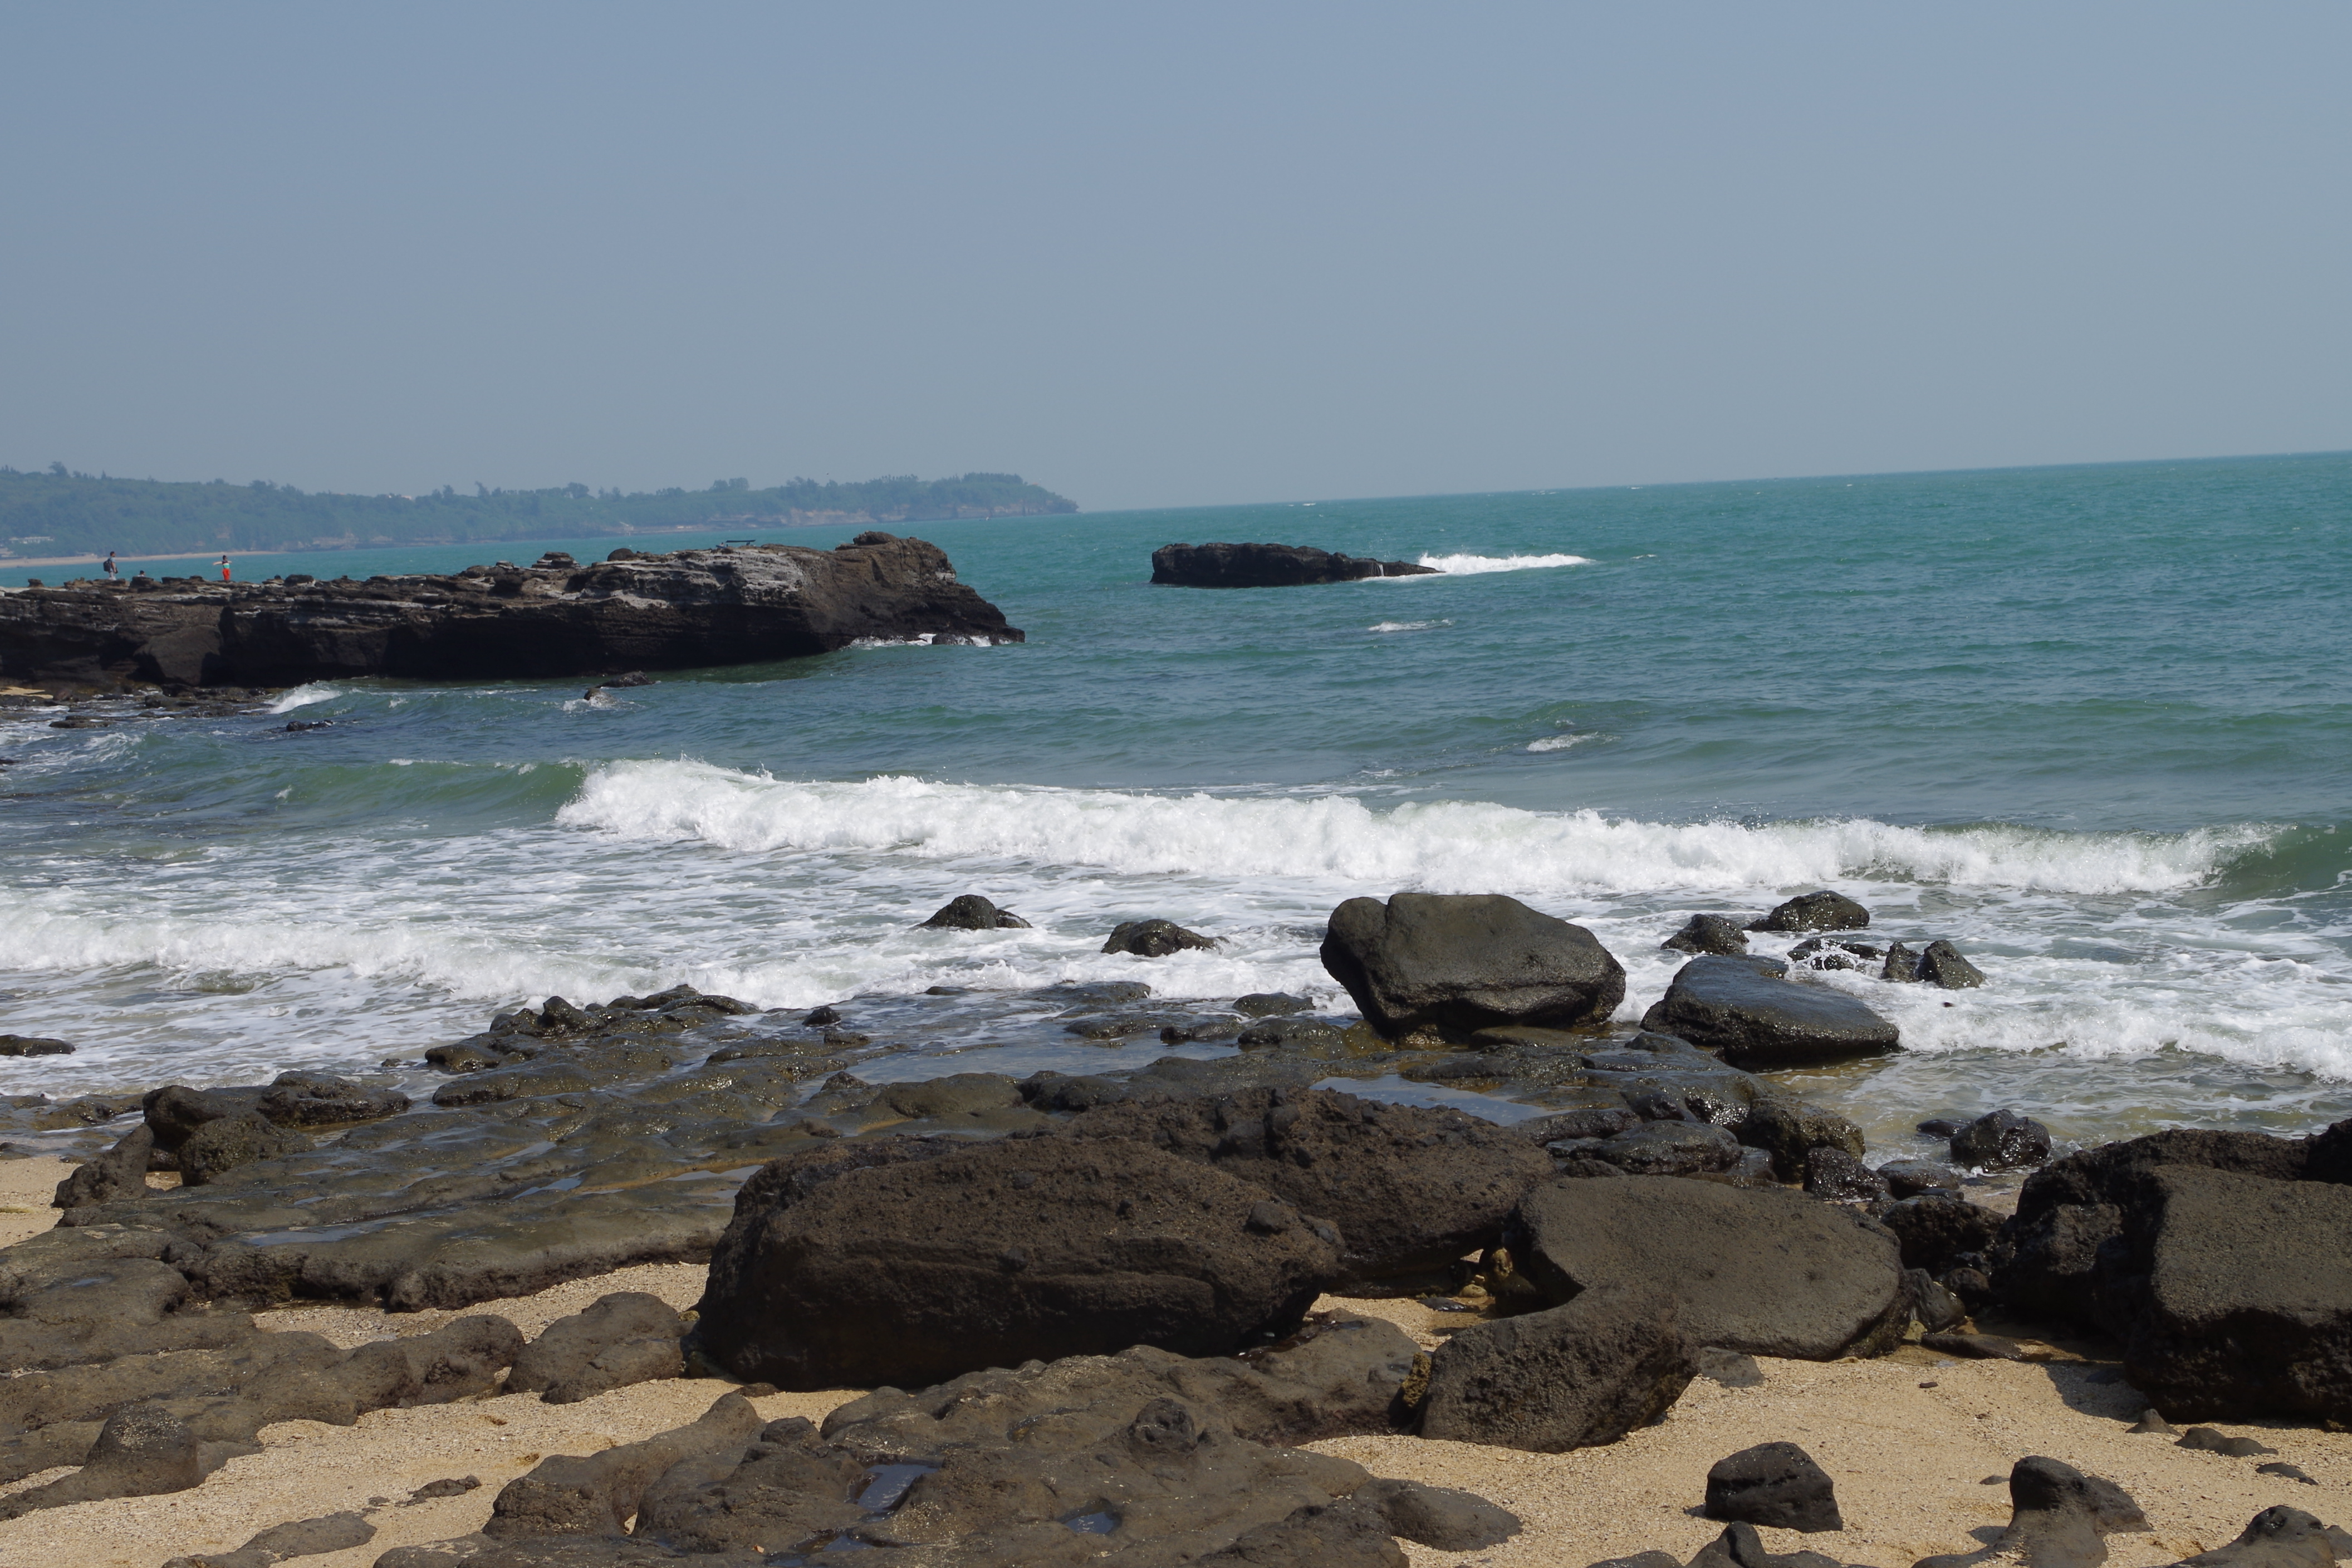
(26, 1188)
(1907, 1461)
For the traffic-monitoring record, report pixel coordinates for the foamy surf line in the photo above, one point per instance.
(1470, 565)
(1440, 846)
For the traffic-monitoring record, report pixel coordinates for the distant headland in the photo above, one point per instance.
(57, 515)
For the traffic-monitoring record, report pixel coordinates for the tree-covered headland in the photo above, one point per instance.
(57, 512)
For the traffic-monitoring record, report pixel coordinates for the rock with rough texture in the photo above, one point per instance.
(2001, 1140)
(597, 1495)
(1838, 1176)
(1746, 1009)
(2213, 1441)
(1440, 1517)
(1910, 1178)
(1823, 911)
(223, 1145)
(912, 1273)
(119, 1174)
(315, 1099)
(33, 1046)
(1709, 933)
(1766, 1271)
(1267, 566)
(1573, 1376)
(1941, 964)
(687, 609)
(969, 912)
(1154, 939)
(143, 1450)
(1740, 1547)
(1935, 1230)
(1789, 1130)
(1774, 1484)
(1666, 1148)
(2275, 1538)
(302, 1537)
(1451, 963)
(1409, 1187)
(1732, 1369)
(623, 1337)
(2057, 1518)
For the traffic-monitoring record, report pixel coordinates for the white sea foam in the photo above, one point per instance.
(1560, 743)
(303, 696)
(1465, 565)
(1447, 847)
(1408, 626)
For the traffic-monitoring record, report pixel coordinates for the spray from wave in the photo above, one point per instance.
(1470, 565)
(1442, 846)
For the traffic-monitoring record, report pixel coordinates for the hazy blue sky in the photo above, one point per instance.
(1149, 256)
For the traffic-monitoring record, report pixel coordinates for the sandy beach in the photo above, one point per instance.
(1910, 1441)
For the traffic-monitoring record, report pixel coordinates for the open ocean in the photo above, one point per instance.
(2093, 724)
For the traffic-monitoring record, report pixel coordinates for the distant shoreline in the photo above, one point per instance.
(20, 563)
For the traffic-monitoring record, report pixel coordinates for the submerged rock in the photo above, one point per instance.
(969, 912)
(2001, 1140)
(1822, 911)
(1267, 566)
(1154, 939)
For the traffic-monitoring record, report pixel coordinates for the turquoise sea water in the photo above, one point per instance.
(2094, 724)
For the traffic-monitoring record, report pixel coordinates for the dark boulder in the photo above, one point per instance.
(314, 1099)
(623, 1337)
(1744, 1008)
(1270, 1004)
(910, 1273)
(2057, 1516)
(969, 912)
(1709, 933)
(1789, 1130)
(1766, 1271)
(1409, 1187)
(2212, 1441)
(1834, 1175)
(1815, 911)
(1267, 566)
(597, 1495)
(2001, 1140)
(33, 1046)
(1835, 952)
(176, 1112)
(119, 1174)
(1154, 939)
(1938, 1307)
(1438, 1517)
(687, 609)
(302, 1537)
(1934, 1231)
(1457, 962)
(1941, 964)
(1902, 965)
(1909, 1178)
(223, 1145)
(1740, 1547)
(141, 1450)
(1667, 1149)
(2276, 1538)
(1573, 1376)
(1774, 1484)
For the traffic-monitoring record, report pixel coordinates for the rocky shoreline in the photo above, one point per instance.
(1145, 1315)
(685, 609)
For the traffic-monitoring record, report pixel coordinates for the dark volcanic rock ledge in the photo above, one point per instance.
(687, 609)
(1267, 566)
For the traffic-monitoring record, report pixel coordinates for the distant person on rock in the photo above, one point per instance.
(113, 573)
(224, 568)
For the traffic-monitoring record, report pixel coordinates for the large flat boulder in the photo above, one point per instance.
(1453, 963)
(1409, 1187)
(1766, 1271)
(1028, 1249)
(1746, 1009)
(687, 609)
(1573, 1376)
(1267, 566)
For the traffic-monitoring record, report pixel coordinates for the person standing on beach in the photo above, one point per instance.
(113, 573)
(224, 568)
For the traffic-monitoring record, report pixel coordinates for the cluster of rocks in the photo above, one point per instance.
(1934, 962)
(689, 609)
(1267, 566)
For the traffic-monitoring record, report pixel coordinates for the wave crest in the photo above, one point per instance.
(1442, 846)
(1469, 566)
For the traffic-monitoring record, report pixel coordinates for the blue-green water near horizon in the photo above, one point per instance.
(2090, 723)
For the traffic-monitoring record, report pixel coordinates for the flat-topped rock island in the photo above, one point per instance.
(685, 609)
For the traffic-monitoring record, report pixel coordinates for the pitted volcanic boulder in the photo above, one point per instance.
(969, 912)
(1774, 1484)
(2057, 1516)
(1573, 1376)
(1745, 1009)
(1409, 1187)
(1454, 963)
(1709, 933)
(1942, 964)
(33, 1046)
(1910, 1178)
(1440, 1517)
(1267, 566)
(1029, 1248)
(1823, 911)
(2001, 1140)
(302, 1537)
(623, 1337)
(1789, 1130)
(1837, 1176)
(597, 1495)
(119, 1174)
(315, 1099)
(1154, 939)
(1739, 1547)
(176, 1112)
(1936, 1229)
(2275, 1538)
(141, 1450)
(1766, 1271)
(220, 1145)
(1666, 1148)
